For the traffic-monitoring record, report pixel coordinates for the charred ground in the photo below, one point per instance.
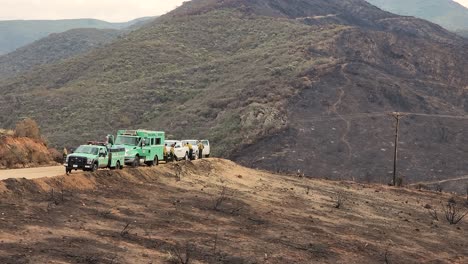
(221, 213)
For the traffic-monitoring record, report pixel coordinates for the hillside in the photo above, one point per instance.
(18, 33)
(54, 48)
(446, 13)
(219, 212)
(274, 84)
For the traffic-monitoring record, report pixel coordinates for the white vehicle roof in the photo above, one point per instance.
(190, 140)
(173, 141)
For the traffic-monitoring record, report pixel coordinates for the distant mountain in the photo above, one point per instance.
(463, 33)
(446, 13)
(55, 47)
(285, 85)
(18, 33)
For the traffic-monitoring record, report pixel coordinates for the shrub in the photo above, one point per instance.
(56, 155)
(453, 212)
(339, 200)
(28, 128)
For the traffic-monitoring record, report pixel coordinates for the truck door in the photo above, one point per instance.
(103, 158)
(206, 150)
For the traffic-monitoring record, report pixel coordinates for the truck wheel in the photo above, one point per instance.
(207, 155)
(117, 166)
(95, 167)
(156, 161)
(67, 171)
(136, 162)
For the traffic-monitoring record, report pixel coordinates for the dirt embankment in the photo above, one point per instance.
(218, 212)
(23, 152)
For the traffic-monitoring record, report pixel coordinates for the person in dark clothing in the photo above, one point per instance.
(190, 150)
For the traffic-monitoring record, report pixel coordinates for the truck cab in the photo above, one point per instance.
(92, 157)
(141, 146)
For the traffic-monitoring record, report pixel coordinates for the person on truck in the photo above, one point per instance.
(165, 152)
(200, 149)
(190, 150)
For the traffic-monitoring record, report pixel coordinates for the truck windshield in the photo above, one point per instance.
(124, 140)
(87, 150)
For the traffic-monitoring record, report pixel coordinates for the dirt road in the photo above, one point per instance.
(32, 173)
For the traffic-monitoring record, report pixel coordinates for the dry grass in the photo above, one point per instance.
(278, 221)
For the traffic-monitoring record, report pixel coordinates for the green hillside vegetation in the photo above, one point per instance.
(446, 13)
(195, 80)
(18, 33)
(54, 48)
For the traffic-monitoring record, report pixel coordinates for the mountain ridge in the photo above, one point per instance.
(18, 33)
(54, 48)
(447, 13)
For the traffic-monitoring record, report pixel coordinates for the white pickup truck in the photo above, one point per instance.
(206, 149)
(181, 151)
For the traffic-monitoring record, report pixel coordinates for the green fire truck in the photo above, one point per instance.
(141, 146)
(92, 157)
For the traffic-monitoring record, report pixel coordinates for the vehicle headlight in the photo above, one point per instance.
(89, 161)
(66, 160)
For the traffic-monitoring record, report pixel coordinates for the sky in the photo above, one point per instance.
(463, 2)
(109, 10)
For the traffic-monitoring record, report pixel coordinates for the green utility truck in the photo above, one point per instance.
(92, 157)
(141, 145)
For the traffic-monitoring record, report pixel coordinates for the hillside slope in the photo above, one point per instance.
(18, 33)
(219, 212)
(22, 152)
(283, 85)
(447, 13)
(54, 48)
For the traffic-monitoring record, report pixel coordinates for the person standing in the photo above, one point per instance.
(64, 154)
(165, 152)
(190, 150)
(172, 152)
(200, 149)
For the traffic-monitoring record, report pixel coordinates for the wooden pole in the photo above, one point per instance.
(397, 117)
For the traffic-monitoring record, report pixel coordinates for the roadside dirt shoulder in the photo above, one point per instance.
(218, 212)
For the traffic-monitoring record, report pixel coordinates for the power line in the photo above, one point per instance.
(376, 114)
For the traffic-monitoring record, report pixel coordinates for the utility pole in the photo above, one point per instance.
(397, 116)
